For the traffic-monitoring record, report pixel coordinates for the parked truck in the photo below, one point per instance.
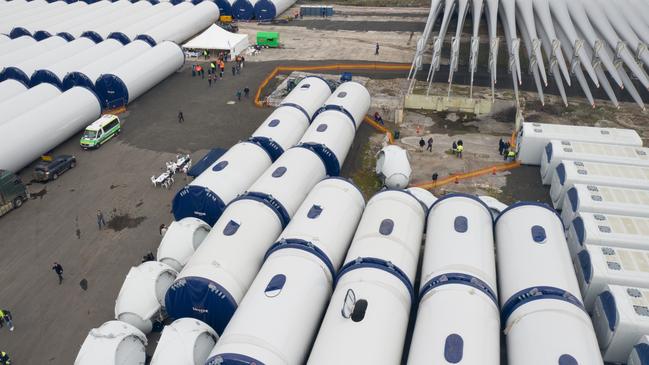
(13, 192)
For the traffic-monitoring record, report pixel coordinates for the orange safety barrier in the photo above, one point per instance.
(332, 67)
(457, 177)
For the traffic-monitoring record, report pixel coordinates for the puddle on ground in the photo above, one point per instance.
(39, 194)
(451, 123)
(118, 222)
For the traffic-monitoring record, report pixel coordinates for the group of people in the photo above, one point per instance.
(215, 71)
(507, 150)
(428, 143)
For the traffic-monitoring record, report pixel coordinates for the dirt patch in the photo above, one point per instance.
(451, 123)
(39, 194)
(364, 174)
(120, 221)
(505, 116)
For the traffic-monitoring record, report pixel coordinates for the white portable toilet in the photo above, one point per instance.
(393, 166)
(280, 314)
(423, 195)
(533, 137)
(495, 205)
(186, 341)
(284, 127)
(458, 320)
(334, 126)
(640, 353)
(608, 230)
(181, 241)
(604, 199)
(557, 151)
(569, 173)
(217, 276)
(113, 343)
(367, 317)
(207, 196)
(621, 319)
(142, 294)
(597, 266)
(542, 313)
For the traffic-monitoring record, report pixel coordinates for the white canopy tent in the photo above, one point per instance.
(217, 38)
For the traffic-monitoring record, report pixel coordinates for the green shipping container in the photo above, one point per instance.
(268, 39)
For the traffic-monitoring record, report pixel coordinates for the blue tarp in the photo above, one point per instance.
(198, 202)
(203, 299)
(206, 161)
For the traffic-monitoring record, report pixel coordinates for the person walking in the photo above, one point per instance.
(234, 70)
(239, 95)
(181, 117)
(209, 80)
(100, 219)
(376, 52)
(163, 229)
(460, 149)
(422, 143)
(501, 146)
(430, 145)
(454, 147)
(5, 318)
(246, 92)
(58, 269)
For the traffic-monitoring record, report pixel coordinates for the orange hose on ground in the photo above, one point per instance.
(336, 66)
(457, 177)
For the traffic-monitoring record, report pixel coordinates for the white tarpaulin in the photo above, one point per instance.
(217, 38)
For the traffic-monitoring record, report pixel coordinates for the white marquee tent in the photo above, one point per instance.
(217, 38)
